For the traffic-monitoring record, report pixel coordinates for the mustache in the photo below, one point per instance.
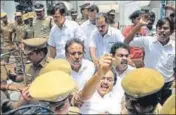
(124, 62)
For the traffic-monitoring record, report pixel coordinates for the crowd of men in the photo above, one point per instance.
(87, 65)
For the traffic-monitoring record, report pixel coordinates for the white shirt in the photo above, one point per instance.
(118, 90)
(103, 44)
(157, 56)
(58, 37)
(97, 104)
(88, 29)
(85, 72)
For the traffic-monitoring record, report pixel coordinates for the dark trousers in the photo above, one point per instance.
(165, 92)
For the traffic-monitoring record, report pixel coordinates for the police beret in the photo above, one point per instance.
(57, 64)
(18, 14)
(52, 86)
(169, 106)
(142, 82)
(3, 14)
(38, 7)
(34, 44)
(86, 5)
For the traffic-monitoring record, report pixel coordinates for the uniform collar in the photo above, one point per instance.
(42, 62)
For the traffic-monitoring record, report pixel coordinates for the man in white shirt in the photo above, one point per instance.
(89, 27)
(97, 93)
(82, 69)
(62, 31)
(159, 51)
(103, 38)
(120, 52)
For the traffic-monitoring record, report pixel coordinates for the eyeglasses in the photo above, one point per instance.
(74, 53)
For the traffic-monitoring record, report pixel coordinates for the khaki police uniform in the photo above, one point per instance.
(6, 31)
(140, 83)
(57, 86)
(18, 28)
(64, 66)
(31, 70)
(169, 106)
(114, 24)
(43, 26)
(28, 29)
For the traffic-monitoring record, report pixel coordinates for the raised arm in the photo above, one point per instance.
(105, 64)
(143, 22)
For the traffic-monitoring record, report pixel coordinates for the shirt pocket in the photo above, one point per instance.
(170, 60)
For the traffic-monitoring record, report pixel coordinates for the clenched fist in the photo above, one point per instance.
(105, 63)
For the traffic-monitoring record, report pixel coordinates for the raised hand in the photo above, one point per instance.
(105, 63)
(144, 20)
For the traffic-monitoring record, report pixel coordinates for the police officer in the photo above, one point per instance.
(74, 15)
(169, 106)
(84, 13)
(36, 51)
(111, 19)
(41, 23)
(28, 31)
(6, 31)
(18, 26)
(58, 85)
(142, 88)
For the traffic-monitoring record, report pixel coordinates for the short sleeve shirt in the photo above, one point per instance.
(103, 44)
(58, 37)
(157, 56)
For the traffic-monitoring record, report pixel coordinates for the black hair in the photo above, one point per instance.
(152, 14)
(135, 14)
(149, 100)
(59, 6)
(44, 50)
(118, 45)
(102, 14)
(93, 8)
(161, 22)
(114, 74)
(70, 42)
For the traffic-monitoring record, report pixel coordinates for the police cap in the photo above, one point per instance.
(34, 44)
(53, 86)
(142, 82)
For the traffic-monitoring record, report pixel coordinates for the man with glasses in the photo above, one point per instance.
(103, 38)
(82, 69)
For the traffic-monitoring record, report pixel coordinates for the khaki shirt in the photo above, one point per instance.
(29, 31)
(19, 31)
(32, 71)
(5, 32)
(42, 27)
